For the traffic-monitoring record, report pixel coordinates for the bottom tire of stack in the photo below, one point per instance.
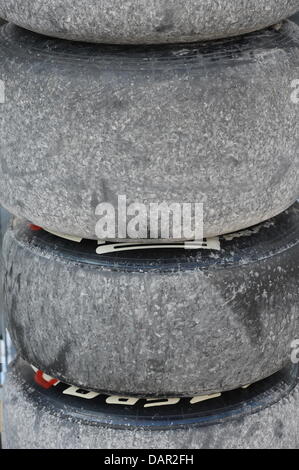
(42, 413)
(155, 322)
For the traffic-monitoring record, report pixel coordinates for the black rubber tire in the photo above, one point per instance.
(155, 322)
(295, 18)
(145, 21)
(264, 416)
(211, 123)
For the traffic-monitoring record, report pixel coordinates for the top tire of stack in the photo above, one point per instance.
(211, 123)
(145, 21)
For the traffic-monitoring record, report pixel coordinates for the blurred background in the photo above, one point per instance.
(5, 347)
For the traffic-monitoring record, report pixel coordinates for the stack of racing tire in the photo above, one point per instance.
(152, 343)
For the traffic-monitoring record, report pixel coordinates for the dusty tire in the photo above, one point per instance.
(156, 322)
(145, 21)
(212, 124)
(296, 18)
(263, 416)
